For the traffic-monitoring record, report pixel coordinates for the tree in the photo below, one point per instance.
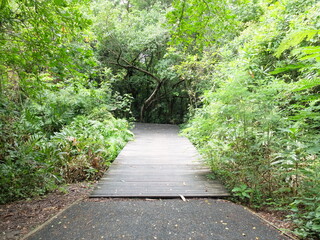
(35, 38)
(136, 41)
(196, 24)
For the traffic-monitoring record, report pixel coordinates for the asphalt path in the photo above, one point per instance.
(157, 219)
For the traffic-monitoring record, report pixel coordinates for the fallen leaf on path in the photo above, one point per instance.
(183, 198)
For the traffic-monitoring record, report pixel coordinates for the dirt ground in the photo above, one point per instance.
(19, 218)
(278, 220)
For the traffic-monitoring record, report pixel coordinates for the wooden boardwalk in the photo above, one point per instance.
(158, 164)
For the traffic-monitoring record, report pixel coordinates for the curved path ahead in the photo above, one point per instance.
(158, 163)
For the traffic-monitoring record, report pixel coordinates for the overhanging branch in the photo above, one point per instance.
(130, 65)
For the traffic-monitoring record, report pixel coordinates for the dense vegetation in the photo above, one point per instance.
(57, 123)
(242, 75)
(258, 124)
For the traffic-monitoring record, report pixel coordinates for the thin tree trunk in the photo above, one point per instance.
(146, 103)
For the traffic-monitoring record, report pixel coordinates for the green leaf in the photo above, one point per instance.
(294, 39)
(288, 68)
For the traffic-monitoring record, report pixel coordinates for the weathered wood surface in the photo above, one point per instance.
(158, 163)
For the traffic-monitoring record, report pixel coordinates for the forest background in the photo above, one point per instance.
(241, 76)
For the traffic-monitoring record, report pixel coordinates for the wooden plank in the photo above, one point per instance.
(158, 163)
(175, 184)
(150, 178)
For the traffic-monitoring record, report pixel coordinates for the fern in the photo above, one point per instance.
(289, 67)
(305, 84)
(294, 39)
(308, 53)
(309, 58)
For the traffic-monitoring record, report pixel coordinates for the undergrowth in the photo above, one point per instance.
(63, 136)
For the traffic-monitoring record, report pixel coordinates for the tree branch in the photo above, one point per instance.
(176, 84)
(130, 65)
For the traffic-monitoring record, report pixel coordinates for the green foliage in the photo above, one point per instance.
(84, 149)
(36, 37)
(55, 109)
(242, 191)
(294, 39)
(122, 106)
(67, 135)
(24, 175)
(306, 215)
(196, 24)
(237, 130)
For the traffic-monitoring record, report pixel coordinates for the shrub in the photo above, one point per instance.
(68, 136)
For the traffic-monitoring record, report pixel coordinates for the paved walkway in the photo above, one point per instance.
(158, 163)
(170, 219)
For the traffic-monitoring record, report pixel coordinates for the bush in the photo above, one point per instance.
(68, 136)
(57, 108)
(86, 147)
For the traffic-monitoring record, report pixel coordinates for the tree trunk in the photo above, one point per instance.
(147, 102)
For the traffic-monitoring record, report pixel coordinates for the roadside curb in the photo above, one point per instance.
(51, 219)
(271, 224)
